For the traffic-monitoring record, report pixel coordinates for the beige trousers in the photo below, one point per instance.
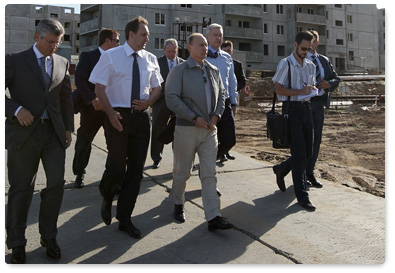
(189, 140)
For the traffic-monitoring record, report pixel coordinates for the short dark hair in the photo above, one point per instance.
(304, 35)
(226, 44)
(133, 25)
(106, 33)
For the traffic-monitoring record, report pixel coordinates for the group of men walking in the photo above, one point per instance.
(116, 85)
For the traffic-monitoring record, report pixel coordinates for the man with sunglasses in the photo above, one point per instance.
(300, 124)
(85, 101)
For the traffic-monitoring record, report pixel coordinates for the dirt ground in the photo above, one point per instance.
(352, 150)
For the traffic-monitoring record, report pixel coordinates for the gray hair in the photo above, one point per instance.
(49, 26)
(170, 41)
(213, 26)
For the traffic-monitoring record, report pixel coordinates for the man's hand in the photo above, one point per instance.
(213, 122)
(234, 109)
(140, 104)
(68, 138)
(24, 117)
(324, 84)
(97, 105)
(114, 117)
(307, 90)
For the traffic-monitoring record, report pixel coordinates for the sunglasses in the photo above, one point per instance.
(305, 48)
(114, 40)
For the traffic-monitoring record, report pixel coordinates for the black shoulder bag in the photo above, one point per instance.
(277, 124)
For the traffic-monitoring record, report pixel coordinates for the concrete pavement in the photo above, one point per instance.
(348, 226)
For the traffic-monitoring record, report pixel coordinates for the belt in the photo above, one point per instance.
(44, 120)
(316, 98)
(132, 110)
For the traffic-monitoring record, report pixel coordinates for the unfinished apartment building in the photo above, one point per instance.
(262, 34)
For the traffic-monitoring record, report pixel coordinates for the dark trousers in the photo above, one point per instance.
(226, 130)
(90, 123)
(317, 110)
(160, 117)
(301, 137)
(23, 163)
(127, 152)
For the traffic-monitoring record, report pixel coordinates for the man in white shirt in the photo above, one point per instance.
(123, 78)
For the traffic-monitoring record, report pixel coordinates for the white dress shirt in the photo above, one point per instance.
(115, 69)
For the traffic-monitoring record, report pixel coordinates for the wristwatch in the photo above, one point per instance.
(194, 119)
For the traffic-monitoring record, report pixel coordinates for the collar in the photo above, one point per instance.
(174, 60)
(101, 50)
(37, 52)
(213, 50)
(311, 55)
(294, 62)
(129, 51)
(192, 63)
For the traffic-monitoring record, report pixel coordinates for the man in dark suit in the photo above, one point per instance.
(160, 112)
(327, 80)
(39, 111)
(227, 46)
(92, 114)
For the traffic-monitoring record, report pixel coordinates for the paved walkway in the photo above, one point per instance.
(348, 226)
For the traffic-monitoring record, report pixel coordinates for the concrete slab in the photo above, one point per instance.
(348, 226)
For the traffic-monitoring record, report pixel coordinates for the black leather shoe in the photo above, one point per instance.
(179, 214)
(218, 223)
(156, 164)
(307, 205)
(222, 159)
(106, 211)
(53, 250)
(218, 193)
(279, 177)
(229, 156)
(313, 181)
(130, 229)
(79, 181)
(18, 255)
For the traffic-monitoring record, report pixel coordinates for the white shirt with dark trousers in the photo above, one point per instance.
(127, 150)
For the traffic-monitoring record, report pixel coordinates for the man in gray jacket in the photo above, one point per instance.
(195, 93)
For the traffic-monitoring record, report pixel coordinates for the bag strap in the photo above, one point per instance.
(289, 86)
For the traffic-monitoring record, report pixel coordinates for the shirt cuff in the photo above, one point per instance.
(17, 111)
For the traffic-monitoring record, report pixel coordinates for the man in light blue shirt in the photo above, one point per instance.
(222, 60)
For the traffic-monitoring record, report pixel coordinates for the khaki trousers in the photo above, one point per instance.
(189, 140)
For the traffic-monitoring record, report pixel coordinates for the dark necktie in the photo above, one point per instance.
(135, 79)
(317, 70)
(47, 81)
(211, 54)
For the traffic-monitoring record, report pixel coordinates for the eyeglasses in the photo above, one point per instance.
(114, 40)
(52, 43)
(305, 48)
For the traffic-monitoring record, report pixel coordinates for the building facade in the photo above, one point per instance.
(21, 21)
(262, 34)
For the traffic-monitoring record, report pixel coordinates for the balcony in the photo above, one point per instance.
(310, 19)
(250, 11)
(243, 33)
(89, 26)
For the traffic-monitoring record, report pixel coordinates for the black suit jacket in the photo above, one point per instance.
(330, 76)
(85, 91)
(164, 70)
(26, 85)
(239, 72)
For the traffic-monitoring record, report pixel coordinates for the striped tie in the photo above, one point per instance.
(171, 64)
(47, 81)
(317, 70)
